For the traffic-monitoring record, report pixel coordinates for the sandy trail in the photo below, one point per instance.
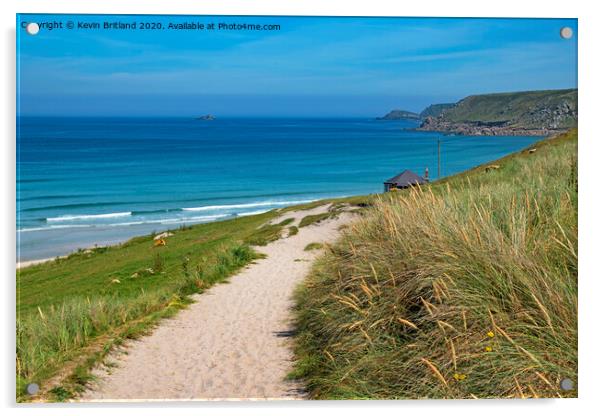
(233, 342)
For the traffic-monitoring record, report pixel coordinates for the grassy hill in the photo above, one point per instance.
(518, 112)
(434, 110)
(463, 289)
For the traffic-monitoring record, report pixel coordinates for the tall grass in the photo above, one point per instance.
(461, 290)
(53, 335)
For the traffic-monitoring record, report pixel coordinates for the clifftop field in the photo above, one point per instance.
(520, 108)
(463, 289)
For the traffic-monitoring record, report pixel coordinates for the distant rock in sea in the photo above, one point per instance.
(400, 115)
(206, 117)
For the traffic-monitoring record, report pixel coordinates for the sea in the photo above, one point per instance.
(83, 182)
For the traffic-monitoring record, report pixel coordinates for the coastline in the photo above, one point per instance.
(27, 263)
(57, 218)
(474, 130)
(115, 242)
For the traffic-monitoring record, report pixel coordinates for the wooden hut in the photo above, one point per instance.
(404, 180)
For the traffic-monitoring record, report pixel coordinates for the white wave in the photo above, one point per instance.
(88, 217)
(176, 220)
(245, 214)
(165, 221)
(249, 205)
(203, 218)
(194, 219)
(52, 227)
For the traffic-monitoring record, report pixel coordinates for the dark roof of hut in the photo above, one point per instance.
(405, 179)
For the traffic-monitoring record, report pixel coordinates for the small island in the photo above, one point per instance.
(206, 117)
(400, 115)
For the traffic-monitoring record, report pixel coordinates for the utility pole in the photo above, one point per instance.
(438, 158)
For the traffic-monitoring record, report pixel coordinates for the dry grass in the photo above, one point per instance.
(460, 290)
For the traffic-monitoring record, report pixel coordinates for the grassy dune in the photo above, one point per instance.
(463, 289)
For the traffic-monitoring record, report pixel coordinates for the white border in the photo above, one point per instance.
(590, 144)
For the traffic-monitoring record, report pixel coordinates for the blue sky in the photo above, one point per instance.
(310, 67)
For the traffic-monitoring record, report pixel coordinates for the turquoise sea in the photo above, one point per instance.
(87, 181)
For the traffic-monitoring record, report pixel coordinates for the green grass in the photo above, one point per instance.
(268, 233)
(336, 206)
(286, 222)
(265, 235)
(466, 288)
(313, 246)
(313, 219)
(292, 230)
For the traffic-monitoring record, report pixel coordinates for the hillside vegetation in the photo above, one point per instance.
(434, 110)
(529, 112)
(463, 289)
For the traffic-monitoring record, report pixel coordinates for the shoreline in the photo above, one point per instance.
(295, 206)
(32, 262)
(27, 263)
(481, 131)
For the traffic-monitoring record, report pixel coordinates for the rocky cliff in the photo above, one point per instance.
(537, 113)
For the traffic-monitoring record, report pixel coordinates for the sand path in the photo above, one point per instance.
(233, 342)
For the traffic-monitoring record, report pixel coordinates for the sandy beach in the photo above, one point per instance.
(233, 342)
(21, 264)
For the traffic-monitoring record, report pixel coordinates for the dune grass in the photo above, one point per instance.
(313, 246)
(313, 219)
(463, 289)
(333, 210)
